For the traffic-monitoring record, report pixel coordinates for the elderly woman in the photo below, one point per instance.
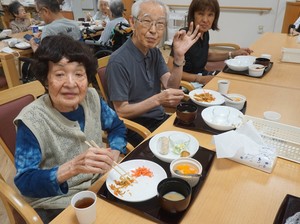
(52, 160)
(103, 12)
(204, 13)
(116, 8)
(22, 22)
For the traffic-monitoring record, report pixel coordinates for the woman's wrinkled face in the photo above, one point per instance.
(21, 13)
(149, 26)
(103, 6)
(67, 84)
(204, 19)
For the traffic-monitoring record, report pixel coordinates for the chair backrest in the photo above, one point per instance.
(12, 101)
(100, 77)
(18, 210)
(68, 14)
(224, 47)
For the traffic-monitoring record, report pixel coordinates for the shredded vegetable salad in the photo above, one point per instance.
(142, 171)
(120, 185)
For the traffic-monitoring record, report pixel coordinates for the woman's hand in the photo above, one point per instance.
(94, 160)
(242, 51)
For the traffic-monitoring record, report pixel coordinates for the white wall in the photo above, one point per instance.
(240, 26)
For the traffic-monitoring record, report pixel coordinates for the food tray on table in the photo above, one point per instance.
(150, 208)
(246, 72)
(285, 138)
(288, 208)
(199, 125)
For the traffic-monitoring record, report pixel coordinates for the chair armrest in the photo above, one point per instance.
(187, 85)
(141, 130)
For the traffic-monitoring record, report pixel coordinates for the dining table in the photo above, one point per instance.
(10, 62)
(281, 74)
(232, 192)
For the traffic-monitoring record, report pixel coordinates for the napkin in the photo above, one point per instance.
(246, 146)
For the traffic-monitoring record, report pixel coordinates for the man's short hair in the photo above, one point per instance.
(52, 5)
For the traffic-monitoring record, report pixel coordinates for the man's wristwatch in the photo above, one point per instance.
(179, 65)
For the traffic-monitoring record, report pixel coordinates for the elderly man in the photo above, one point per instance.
(137, 71)
(49, 11)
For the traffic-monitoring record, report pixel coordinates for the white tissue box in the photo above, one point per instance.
(264, 160)
(246, 146)
(290, 55)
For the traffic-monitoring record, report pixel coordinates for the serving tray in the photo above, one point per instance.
(151, 209)
(289, 206)
(198, 124)
(245, 72)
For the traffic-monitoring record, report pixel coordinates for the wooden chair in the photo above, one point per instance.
(12, 101)
(102, 83)
(68, 14)
(219, 65)
(17, 209)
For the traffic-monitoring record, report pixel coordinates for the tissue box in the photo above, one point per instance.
(265, 159)
(290, 55)
(245, 145)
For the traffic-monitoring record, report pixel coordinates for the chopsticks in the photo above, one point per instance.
(227, 97)
(116, 166)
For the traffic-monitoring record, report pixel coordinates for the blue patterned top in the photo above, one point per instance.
(35, 182)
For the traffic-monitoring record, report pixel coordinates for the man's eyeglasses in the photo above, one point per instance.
(160, 24)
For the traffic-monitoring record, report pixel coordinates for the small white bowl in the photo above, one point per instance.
(268, 56)
(256, 70)
(222, 118)
(238, 101)
(185, 162)
(272, 115)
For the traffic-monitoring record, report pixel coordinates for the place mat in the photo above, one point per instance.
(151, 209)
(198, 124)
(245, 72)
(289, 207)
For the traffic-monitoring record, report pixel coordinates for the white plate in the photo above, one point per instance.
(22, 45)
(193, 146)
(235, 118)
(145, 187)
(219, 99)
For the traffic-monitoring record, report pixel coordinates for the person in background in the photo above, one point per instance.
(205, 14)
(49, 11)
(116, 15)
(22, 20)
(65, 5)
(53, 161)
(102, 13)
(116, 9)
(134, 86)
